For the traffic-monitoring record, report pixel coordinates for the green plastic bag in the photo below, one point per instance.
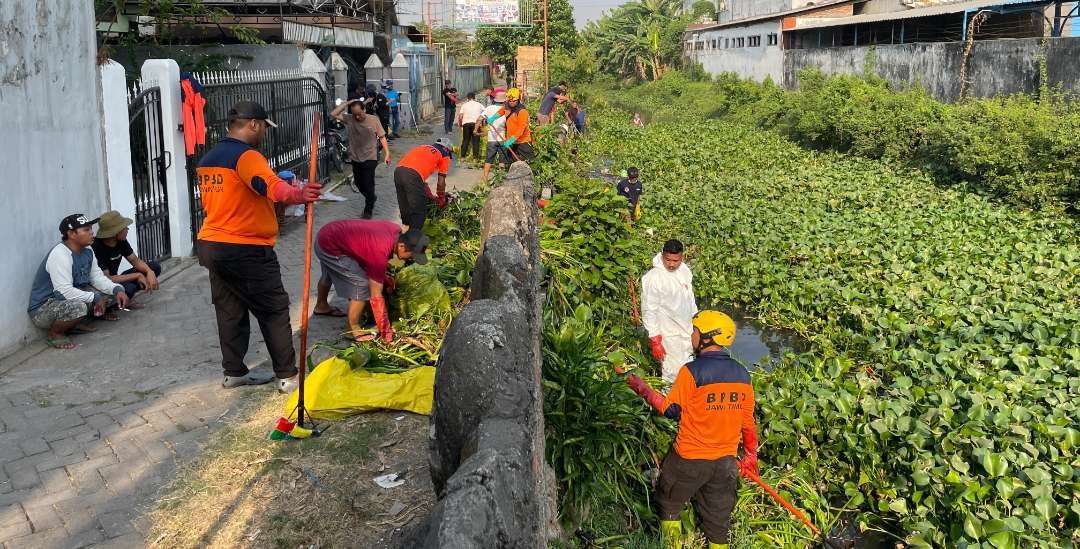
(420, 293)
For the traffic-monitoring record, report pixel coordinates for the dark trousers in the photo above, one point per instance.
(448, 118)
(470, 139)
(364, 175)
(247, 279)
(412, 197)
(132, 288)
(711, 483)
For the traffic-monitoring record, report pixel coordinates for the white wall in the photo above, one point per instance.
(756, 62)
(50, 144)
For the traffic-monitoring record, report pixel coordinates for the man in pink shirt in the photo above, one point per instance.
(354, 254)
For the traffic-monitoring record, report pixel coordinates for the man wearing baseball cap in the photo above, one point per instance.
(69, 285)
(236, 245)
(354, 255)
(410, 180)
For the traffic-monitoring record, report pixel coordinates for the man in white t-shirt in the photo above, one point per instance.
(468, 114)
(495, 130)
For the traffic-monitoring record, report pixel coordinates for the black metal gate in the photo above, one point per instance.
(149, 160)
(290, 103)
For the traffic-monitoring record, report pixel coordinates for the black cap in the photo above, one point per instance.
(417, 242)
(76, 221)
(631, 172)
(250, 110)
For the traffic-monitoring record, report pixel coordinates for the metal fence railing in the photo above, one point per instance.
(291, 102)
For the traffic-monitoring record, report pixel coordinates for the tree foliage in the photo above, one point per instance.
(640, 39)
(501, 42)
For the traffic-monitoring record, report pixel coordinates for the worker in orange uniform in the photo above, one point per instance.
(518, 138)
(410, 181)
(713, 401)
(236, 245)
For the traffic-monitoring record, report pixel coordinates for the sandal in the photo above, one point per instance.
(334, 311)
(60, 342)
(82, 329)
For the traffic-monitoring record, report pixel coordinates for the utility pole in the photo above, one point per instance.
(546, 83)
(427, 15)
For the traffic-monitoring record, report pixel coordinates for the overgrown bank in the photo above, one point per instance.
(1019, 148)
(938, 400)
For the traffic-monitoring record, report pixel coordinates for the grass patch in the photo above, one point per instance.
(248, 491)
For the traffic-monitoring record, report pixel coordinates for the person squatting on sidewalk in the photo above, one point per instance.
(713, 401)
(410, 181)
(111, 245)
(667, 307)
(236, 245)
(354, 256)
(69, 286)
(365, 132)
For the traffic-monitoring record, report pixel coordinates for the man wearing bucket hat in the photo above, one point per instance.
(236, 245)
(354, 256)
(111, 245)
(496, 127)
(410, 180)
(69, 286)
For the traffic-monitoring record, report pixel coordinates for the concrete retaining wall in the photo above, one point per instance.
(52, 145)
(996, 67)
(487, 426)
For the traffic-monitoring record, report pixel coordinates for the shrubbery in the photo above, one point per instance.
(1018, 148)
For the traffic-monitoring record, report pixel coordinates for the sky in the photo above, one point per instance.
(409, 11)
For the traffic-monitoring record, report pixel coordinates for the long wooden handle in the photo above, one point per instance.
(309, 211)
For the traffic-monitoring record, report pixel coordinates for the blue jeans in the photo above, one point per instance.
(395, 120)
(448, 118)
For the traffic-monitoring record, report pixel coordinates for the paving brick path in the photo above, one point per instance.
(90, 435)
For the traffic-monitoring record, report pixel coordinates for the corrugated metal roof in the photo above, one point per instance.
(766, 17)
(944, 9)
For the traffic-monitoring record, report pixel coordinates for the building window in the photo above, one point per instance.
(755, 41)
(714, 44)
(726, 43)
(772, 39)
(740, 42)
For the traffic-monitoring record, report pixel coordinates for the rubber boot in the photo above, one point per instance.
(671, 534)
(718, 545)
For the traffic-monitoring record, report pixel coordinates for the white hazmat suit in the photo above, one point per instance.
(667, 309)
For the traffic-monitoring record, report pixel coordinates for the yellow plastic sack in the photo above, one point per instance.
(334, 390)
(637, 211)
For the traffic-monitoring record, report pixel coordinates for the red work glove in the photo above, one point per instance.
(657, 344)
(749, 459)
(654, 399)
(382, 319)
(440, 199)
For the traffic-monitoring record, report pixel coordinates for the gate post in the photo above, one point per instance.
(166, 73)
(121, 181)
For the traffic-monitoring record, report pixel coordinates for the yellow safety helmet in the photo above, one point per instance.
(716, 326)
(513, 94)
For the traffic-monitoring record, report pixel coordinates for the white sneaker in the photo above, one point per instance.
(289, 385)
(253, 377)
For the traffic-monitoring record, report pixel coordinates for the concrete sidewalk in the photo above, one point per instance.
(90, 435)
